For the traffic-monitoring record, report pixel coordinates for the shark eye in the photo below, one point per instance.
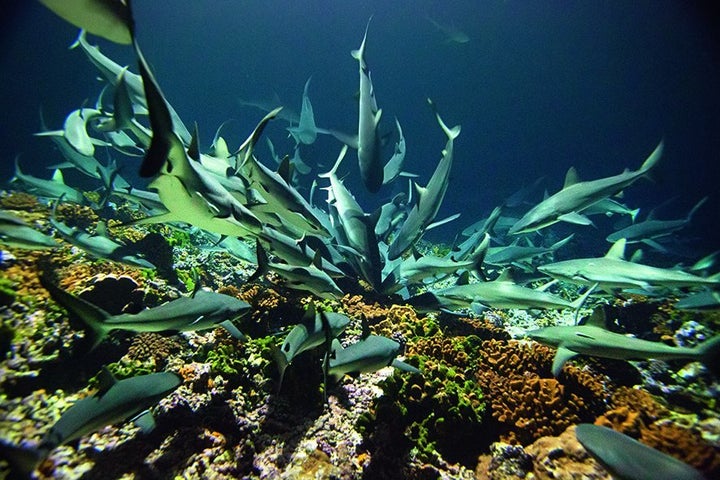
(286, 347)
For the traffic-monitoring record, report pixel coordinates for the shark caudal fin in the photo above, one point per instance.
(92, 317)
(710, 354)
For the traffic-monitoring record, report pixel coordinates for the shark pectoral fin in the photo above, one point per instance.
(145, 421)
(576, 218)
(405, 367)
(233, 330)
(653, 244)
(561, 356)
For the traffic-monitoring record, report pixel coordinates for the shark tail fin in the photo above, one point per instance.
(333, 170)
(710, 354)
(262, 262)
(22, 460)
(90, 315)
(653, 159)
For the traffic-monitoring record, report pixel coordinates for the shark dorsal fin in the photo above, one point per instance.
(194, 147)
(597, 318)
(284, 169)
(637, 256)
(106, 380)
(505, 276)
(617, 251)
(463, 278)
(317, 260)
(571, 177)
(58, 176)
(101, 229)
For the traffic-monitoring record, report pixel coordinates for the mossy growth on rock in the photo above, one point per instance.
(440, 412)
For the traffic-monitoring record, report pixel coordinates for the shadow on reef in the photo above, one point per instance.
(71, 373)
(178, 437)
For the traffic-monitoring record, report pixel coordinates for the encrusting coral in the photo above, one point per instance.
(525, 400)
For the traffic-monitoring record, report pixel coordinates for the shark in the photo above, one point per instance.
(512, 254)
(368, 138)
(429, 197)
(53, 188)
(567, 204)
(99, 245)
(500, 293)
(110, 19)
(595, 340)
(613, 271)
(306, 131)
(283, 199)
(357, 228)
(705, 300)
(75, 132)
(204, 310)
(451, 34)
(315, 329)
(115, 401)
(625, 457)
(310, 278)
(366, 355)
(394, 167)
(111, 71)
(413, 270)
(15, 232)
(189, 192)
(651, 228)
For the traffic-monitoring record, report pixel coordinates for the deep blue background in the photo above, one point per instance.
(540, 87)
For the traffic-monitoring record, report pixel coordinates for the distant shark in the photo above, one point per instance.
(53, 188)
(429, 197)
(16, 233)
(368, 138)
(99, 245)
(594, 340)
(613, 271)
(575, 196)
(499, 293)
(651, 228)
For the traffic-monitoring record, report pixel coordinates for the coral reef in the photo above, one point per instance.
(525, 401)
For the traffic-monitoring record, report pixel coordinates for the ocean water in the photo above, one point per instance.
(538, 87)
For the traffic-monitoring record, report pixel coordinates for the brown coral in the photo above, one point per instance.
(684, 444)
(152, 346)
(20, 201)
(526, 401)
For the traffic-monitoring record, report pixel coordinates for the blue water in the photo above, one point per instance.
(540, 87)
